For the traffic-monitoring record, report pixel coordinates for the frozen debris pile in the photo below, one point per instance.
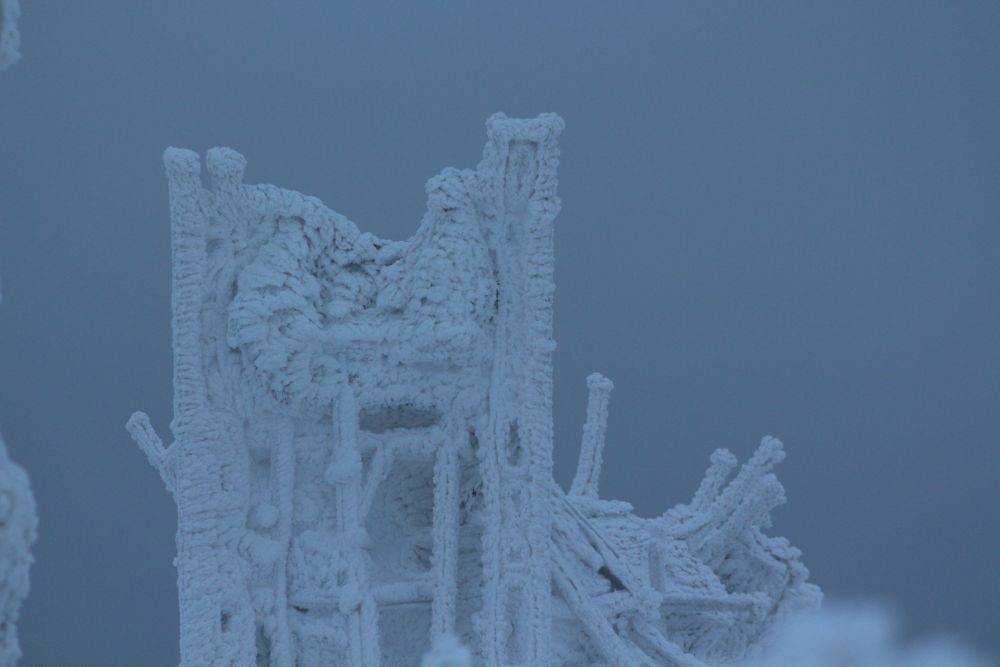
(10, 39)
(363, 454)
(858, 636)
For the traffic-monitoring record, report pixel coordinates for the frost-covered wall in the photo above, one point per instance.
(363, 455)
(10, 39)
(18, 529)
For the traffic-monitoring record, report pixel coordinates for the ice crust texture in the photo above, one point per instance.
(363, 445)
(10, 39)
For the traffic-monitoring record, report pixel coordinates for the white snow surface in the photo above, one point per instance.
(10, 38)
(363, 445)
(858, 635)
(447, 652)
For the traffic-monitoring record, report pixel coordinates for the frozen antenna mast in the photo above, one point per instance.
(363, 455)
(18, 527)
(10, 39)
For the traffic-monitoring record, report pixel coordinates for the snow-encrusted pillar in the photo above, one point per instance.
(10, 38)
(519, 177)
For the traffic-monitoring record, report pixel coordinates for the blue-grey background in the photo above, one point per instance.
(777, 218)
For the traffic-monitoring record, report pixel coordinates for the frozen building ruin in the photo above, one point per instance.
(363, 445)
(10, 39)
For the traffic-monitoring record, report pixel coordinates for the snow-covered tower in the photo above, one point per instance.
(10, 39)
(364, 444)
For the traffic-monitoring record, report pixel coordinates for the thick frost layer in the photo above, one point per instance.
(363, 455)
(858, 636)
(10, 39)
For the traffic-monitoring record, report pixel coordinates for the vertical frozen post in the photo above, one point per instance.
(588, 470)
(345, 473)
(446, 510)
(10, 38)
(518, 172)
(216, 620)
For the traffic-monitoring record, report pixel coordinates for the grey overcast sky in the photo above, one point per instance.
(778, 217)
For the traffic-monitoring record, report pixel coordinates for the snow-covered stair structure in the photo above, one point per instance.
(363, 454)
(10, 38)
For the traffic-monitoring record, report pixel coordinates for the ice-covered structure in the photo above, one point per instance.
(18, 529)
(18, 526)
(10, 38)
(363, 455)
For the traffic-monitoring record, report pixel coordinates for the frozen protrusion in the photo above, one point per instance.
(447, 652)
(723, 464)
(10, 38)
(142, 431)
(588, 470)
(18, 529)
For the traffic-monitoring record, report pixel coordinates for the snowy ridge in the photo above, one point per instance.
(10, 38)
(363, 454)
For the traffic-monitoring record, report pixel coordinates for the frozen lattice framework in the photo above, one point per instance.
(363, 455)
(10, 39)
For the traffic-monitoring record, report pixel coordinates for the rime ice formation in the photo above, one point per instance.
(10, 39)
(858, 636)
(363, 455)
(18, 528)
